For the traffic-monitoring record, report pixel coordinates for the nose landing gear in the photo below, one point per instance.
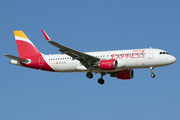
(152, 72)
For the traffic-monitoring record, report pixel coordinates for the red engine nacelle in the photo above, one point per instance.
(124, 74)
(108, 64)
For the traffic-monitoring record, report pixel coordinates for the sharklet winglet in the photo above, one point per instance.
(46, 36)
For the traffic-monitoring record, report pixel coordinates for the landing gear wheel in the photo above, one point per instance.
(101, 81)
(89, 75)
(153, 75)
(152, 72)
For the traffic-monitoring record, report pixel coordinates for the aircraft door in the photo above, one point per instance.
(150, 54)
(41, 61)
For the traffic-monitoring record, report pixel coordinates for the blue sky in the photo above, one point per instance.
(91, 25)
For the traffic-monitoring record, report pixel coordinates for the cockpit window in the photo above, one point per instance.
(164, 53)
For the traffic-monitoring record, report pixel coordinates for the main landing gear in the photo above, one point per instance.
(89, 75)
(152, 72)
(100, 80)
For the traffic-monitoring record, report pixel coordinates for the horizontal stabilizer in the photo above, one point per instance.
(16, 58)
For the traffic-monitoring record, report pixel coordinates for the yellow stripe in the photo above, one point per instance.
(20, 33)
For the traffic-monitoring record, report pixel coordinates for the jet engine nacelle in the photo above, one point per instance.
(108, 64)
(124, 74)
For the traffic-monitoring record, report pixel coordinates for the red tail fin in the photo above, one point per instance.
(26, 48)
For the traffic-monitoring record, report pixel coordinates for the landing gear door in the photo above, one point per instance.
(150, 54)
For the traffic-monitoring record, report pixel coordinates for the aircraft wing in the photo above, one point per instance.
(16, 58)
(85, 59)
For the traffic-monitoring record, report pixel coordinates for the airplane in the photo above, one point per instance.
(117, 63)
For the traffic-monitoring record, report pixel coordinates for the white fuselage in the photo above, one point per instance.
(127, 59)
(117, 63)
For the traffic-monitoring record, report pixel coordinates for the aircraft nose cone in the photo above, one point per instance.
(172, 59)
